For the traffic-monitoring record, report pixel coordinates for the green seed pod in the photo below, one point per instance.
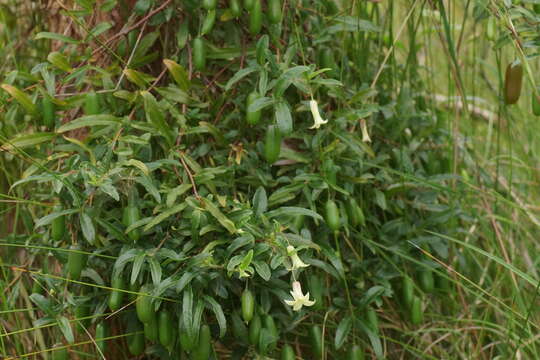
(101, 333)
(270, 325)
(372, 319)
(407, 291)
(272, 145)
(239, 328)
(248, 305)
(145, 306)
(76, 262)
(417, 316)
(513, 82)
(151, 330)
(130, 216)
(355, 353)
(209, 4)
(427, 282)
(91, 104)
(255, 18)
(255, 329)
(49, 112)
(203, 350)
(166, 328)
(274, 11)
(116, 297)
(58, 225)
(235, 7)
(248, 4)
(199, 54)
(316, 341)
(352, 214)
(208, 23)
(535, 105)
(136, 340)
(332, 215)
(60, 352)
(81, 311)
(287, 352)
(252, 117)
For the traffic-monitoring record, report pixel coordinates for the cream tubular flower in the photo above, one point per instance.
(297, 263)
(365, 135)
(299, 299)
(318, 120)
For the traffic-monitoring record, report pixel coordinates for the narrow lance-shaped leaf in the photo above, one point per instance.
(155, 116)
(22, 97)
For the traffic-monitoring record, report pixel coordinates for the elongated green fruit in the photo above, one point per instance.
(315, 338)
(372, 319)
(240, 331)
(165, 328)
(59, 354)
(332, 218)
(199, 54)
(116, 297)
(101, 333)
(49, 112)
(81, 311)
(252, 117)
(417, 316)
(274, 11)
(535, 105)
(407, 291)
(202, 352)
(255, 17)
(208, 23)
(427, 281)
(248, 305)
(272, 144)
(136, 340)
(151, 330)
(352, 214)
(236, 7)
(270, 325)
(513, 82)
(145, 306)
(130, 216)
(248, 4)
(255, 329)
(355, 353)
(287, 352)
(58, 225)
(76, 262)
(209, 4)
(91, 103)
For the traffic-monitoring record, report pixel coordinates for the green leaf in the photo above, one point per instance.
(283, 117)
(343, 330)
(55, 36)
(178, 73)
(87, 227)
(137, 266)
(293, 211)
(47, 219)
(223, 220)
(22, 97)
(220, 316)
(65, 328)
(164, 215)
(148, 184)
(59, 60)
(27, 140)
(246, 261)
(263, 270)
(239, 75)
(155, 270)
(260, 201)
(260, 103)
(90, 121)
(155, 116)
